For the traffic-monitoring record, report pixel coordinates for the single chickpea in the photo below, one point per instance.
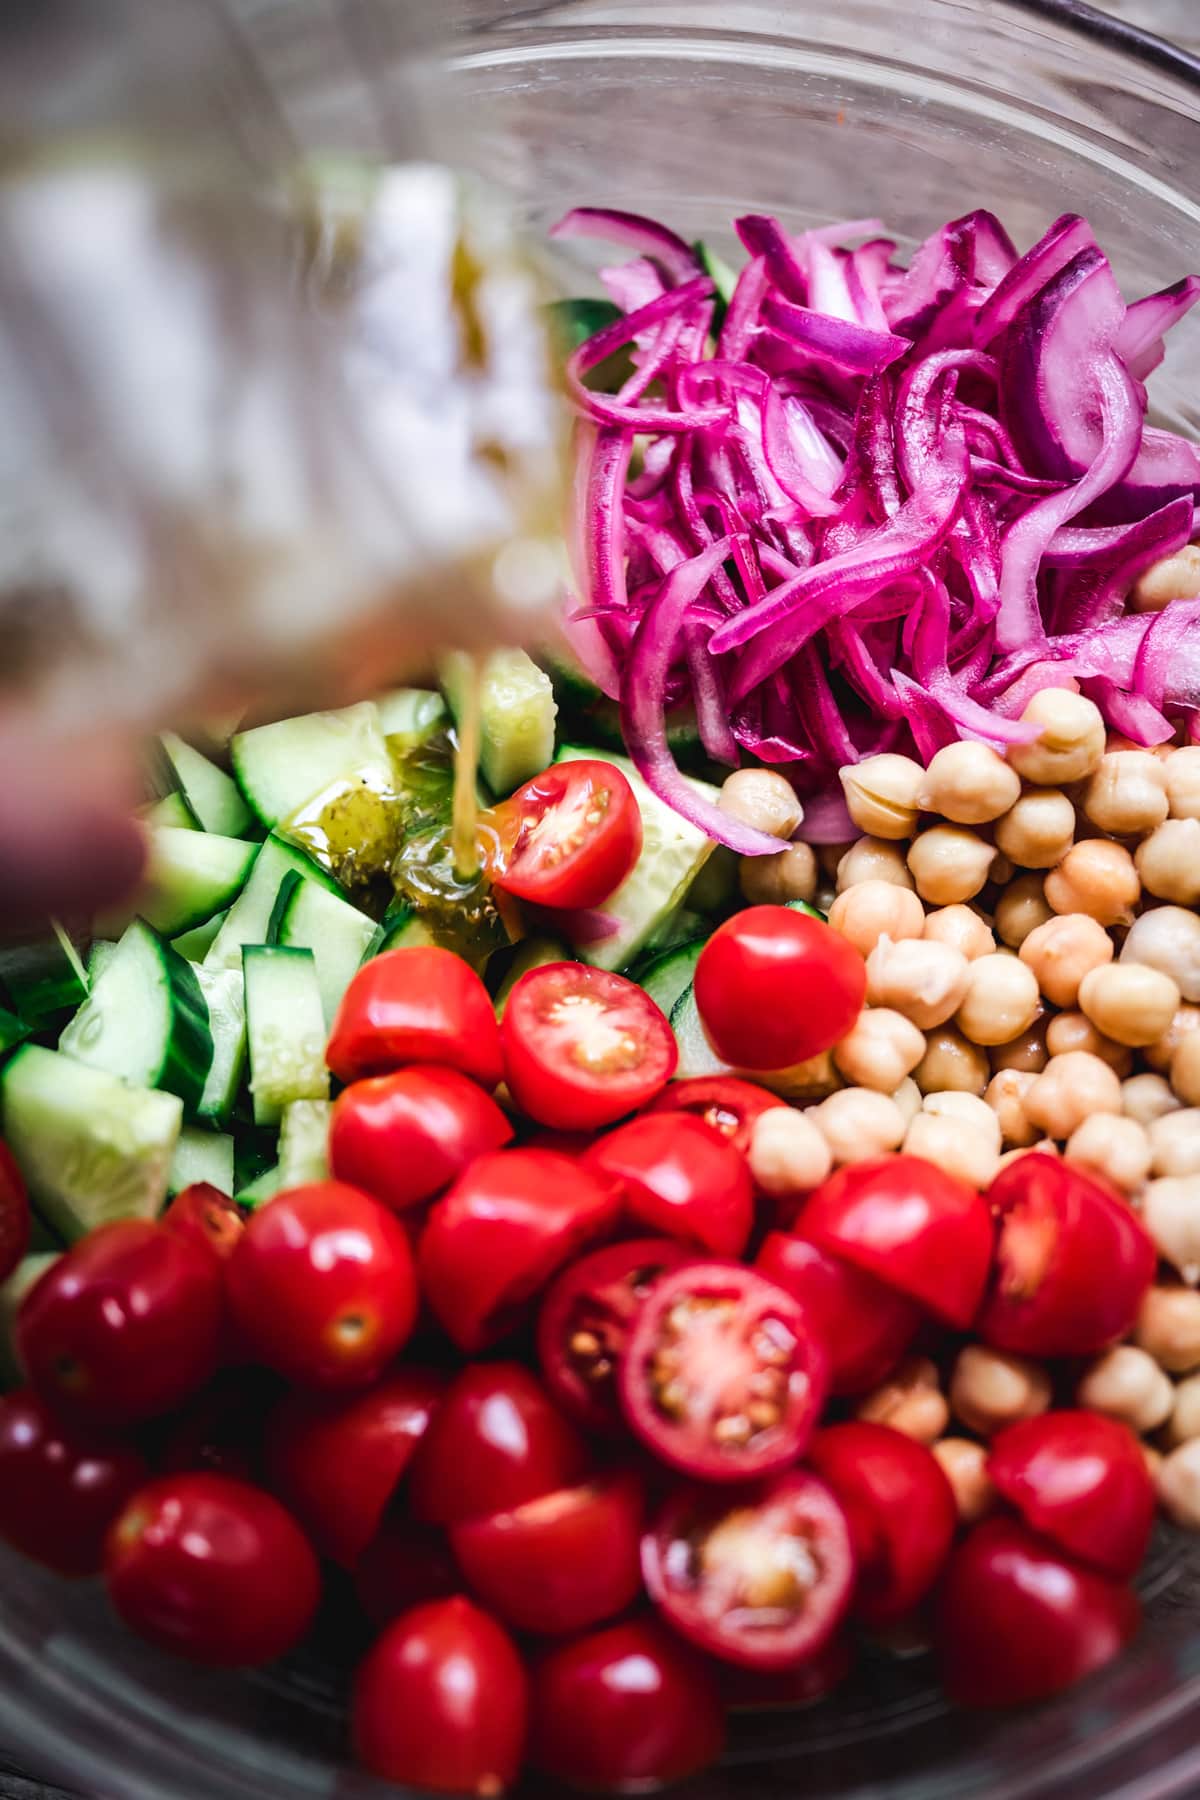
(962, 928)
(1001, 1000)
(969, 783)
(908, 1098)
(1027, 1052)
(1171, 1214)
(880, 1049)
(964, 1464)
(1069, 1031)
(989, 1389)
(1021, 909)
(1115, 1147)
(955, 1145)
(1175, 577)
(1168, 861)
(1147, 1098)
(774, 880)
(1178, 1485)
(876, 909)
(1001, 871)
(949, 863)
(1184, 1422)
(1071, 742)
(1161, 1054)
(1096, 877)
(1127, 1384)
(910, 1401)
(1168, 1327)
(1175, 1142)
(969, 1108)
(1062, 951)
(762, 799)
(1129, 1002)
(830, 855)
(950, 1064)
(1038, 830)
(1182, 774)
(873, 859)
(881, 794)
(1069, 1089)
(1127, 795)
(826, 894)
(787, 1154)
(1006, 1096)
(1185, 1069)
(924, 981)
(857, 1124)
(1167, 938)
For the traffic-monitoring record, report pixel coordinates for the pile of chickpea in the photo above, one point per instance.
(1030, 929)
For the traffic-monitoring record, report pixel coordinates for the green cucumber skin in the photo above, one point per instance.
(201, 1156)
(40, 980)
(250, 915)
(107, 1032)
(210, 795)
(285, 1029)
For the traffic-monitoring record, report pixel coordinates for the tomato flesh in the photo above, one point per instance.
(206, 1217)
(569, 837)
(724, 1102)
(583, 1047)
(775, 987)
(863, 1326)
(495, 1441)
(1081, 1480)
(416, 1005)
(405, 1137)
(680, 1177)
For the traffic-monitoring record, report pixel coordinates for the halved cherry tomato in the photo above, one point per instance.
(1072, 1262)
(863, 1327)
(585, 1321)
(1081, 1480)
(404, 1565)
(679, 1176)
(419, 1005)
(775, 987)
(725, 1102)
(583, 1047)
(720, 1377)
(1017, 1620)
(495, 1441)
(761, 1576)
(16, 1220)
(507, 1225)
(60, 1490)
(206, 1217)
(404, 1137)
(915, 1227)
(559, 1564)
(900, 1509)
(336, 1462)
(569, 837)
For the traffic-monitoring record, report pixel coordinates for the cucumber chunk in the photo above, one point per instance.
(13, 1031)
(669, 973)
(304, 1143)
(517, 711)
(280, 767)
(190, 875)
(201, 1156)
(145, 1018)
(336, 933)
(90, 1147)
(172, 809)
(250, 914)
(195, 944)
(285, 1029)
(264, 1187)
(409, 716)
(224, 992)
(801, 1083)
(42, 978)
(532, 953)
(696, 1054)
(208, 792)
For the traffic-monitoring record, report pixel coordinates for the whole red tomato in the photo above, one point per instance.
(420, 1005)
(495, 1441)
(680, 1177)
(406, 1136)
(220, 1430)
(863, 1326)
(1081, 1480)
(775, 987)
(569, 837)
(59, 1491)
(403, 1566)
(730, 1105)
(206, 1217)
(15, 1218)
(583, 1047)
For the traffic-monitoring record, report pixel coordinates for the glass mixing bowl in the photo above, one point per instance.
(695, 110)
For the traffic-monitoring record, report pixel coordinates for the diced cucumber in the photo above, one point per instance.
(410, 716)
(195, 944)
(280, 767)
(210, 794)
(669, 973)
(304, 1142)
(254, 1152)
(677, 928)
(716, 885)
(43, 978)
(400, 927)
(250, 913)
(283, 900)
(285, 1029)
(516, 713)
(531, 953)
(190, 875)
(145, 1018)
(571, 684)
(13, 1031)
(201, 1156)
(172, 809)
(224, 991)
(91, 1148)
(27, 1273)
(696, 1054)
(100, 951)
(673, 853)
(264, 1187)
(336, 933)
(801, 1083)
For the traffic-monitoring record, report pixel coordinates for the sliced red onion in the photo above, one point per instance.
(851, 348)
(645, 236)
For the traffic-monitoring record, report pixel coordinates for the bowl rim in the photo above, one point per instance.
(1090, 22)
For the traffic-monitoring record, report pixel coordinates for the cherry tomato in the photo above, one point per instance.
(1017, 1620)
(1072, 1262)
(761, 1576)
(774, 987)
(405, 1137)
(583, 1047)
(728, 1104)
(221, 1429)
(403, 1566)
(206, 1217)
(919, 1229)
(125, 1325)
(16, 1221)
(442, 1701)
(59, 1491)
(493, 1242)
(322, 1285)
(863, 1326)
(212, 1569)
(585, 1320)
(900, 1509)
(624, 1710)
(337, 1460)
(561, 1563)
(420, 1005)
(495, 1441)
(680, 1177)
(1081, 1480)
(783, 1690)
(569, 837)
(720, 1377)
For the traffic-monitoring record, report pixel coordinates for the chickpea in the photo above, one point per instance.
(964, 1464)
(830, 855)
(1175, 1142)
(910, 1401)
(962, 928)
(1115, 1147)
(1006, 1096)
(1027, 1052)
(950, 1064)
(1071, 742)
(872, 859)
(908, 1098)
(1074, 1031)
(1096, 877)
(1167, 938)
(1153, 1460)
(857, 1124)
(1129, 1002)
(1001, 1000)
(880, 1049)
(825, 896)
(1062, 951)
(774, 880)
(1038, 831)
(1168, 861)
(1178, 1485)
(1147, 1098)
(989, 1389)
(1127, 795)
(1161, 1054)
(969, 1109)
(1185, 1069)
(955, 1145)
(1175, 577)
(924, 981)
(969, 783)
(1127, 1384)
(1171, 1214)
(1182, 775)
(1021, 909)
(949, 863)
(788, 1154)
(881, 794)
(1168, 1327)
(876, 909)
(762, 799)
(1069, 1089)
(1001, 871)
(1184, 1422)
